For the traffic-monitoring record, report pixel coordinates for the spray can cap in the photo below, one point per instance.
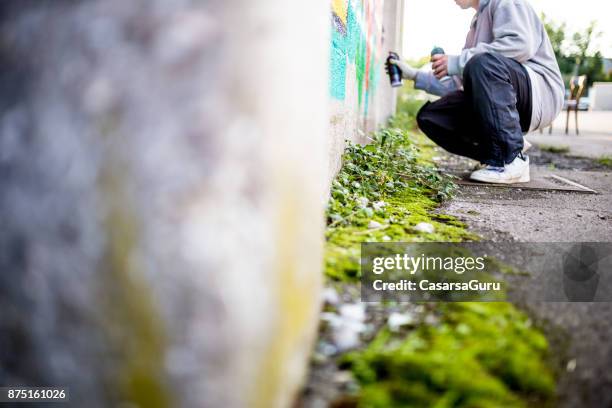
(437, 50)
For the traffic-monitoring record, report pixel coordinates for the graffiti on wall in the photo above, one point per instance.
(356, 40)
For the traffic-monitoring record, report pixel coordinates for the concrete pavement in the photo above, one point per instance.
(580, 333)
(594, 141)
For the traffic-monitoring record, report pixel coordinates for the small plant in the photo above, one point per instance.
(374, 173)
(555, 149)
(605, 161)
(382, 192)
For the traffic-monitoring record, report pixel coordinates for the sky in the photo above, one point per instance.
(443, 23)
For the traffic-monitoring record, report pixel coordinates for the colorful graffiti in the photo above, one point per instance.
(356, 40)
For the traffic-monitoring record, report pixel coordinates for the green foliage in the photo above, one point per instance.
(479, 355)
(605, 161)
(575, 52)
(581, 42)
(381, 170)
(555, 149)
(408, 105)
(556, 34)
(383, 190)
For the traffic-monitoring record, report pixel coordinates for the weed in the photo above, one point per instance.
(605, 161)
(555, 149)
(383, 190)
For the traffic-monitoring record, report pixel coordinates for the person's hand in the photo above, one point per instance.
(439, 64)
(408, 72)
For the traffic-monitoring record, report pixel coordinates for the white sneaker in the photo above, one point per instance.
(515, 172)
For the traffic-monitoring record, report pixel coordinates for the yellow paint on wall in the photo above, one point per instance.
(340, 8)
(299, 285)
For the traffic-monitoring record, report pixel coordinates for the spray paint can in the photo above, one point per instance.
(439, 50)
(395, 73)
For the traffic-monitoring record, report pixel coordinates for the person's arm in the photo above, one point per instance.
(512, 37)
(428, 82)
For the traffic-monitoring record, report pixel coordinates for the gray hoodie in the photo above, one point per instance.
(513, 29)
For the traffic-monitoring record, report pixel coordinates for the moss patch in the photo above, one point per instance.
(480, 355)
(555, 149)
(605, 161)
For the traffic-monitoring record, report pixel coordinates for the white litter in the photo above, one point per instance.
(425, 228)
(398, 320)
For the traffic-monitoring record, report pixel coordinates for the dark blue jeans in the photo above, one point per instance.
(487, 119)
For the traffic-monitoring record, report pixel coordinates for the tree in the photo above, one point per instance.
(593, 69)
(556, 33)
(576, 55)
(581, 44)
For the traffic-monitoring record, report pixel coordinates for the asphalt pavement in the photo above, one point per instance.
(580, 333)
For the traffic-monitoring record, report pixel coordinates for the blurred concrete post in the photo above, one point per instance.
(162, 175)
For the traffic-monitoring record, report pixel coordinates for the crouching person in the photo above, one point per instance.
(505, 83)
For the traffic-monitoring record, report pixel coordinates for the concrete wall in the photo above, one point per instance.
(601, 96)
(161, 223)
(362, 34)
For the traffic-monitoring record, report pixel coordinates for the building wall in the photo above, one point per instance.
(601, 96)
(362, 34)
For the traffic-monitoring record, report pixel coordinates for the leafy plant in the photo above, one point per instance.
(555, 149)
(382, 192)
(605, 161)
(374, 173)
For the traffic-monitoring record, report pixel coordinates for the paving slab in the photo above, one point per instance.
(541, 180)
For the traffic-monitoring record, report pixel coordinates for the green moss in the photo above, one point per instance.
(605, 161)
(555, 149)
(407, 209)
(395, 169)
(404, 211)
(479, 355)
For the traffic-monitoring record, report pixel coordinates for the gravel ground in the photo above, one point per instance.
(347, 324)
